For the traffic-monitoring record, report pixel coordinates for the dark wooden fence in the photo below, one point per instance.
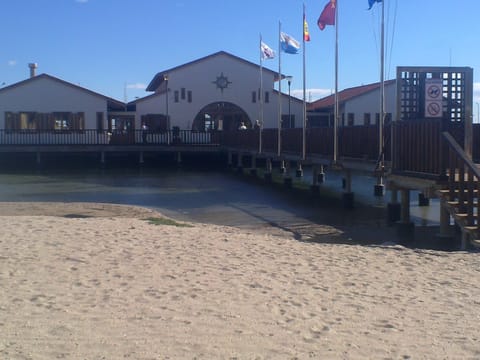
(417, 145)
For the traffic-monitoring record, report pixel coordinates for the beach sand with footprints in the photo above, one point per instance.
(97, 281)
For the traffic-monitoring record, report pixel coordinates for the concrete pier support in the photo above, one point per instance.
(379, 187)
(178, 158)
(253, 168)
(299, 171)
(405, 228)
(348, 196)
(393, 208)
(314, 187)
(141, 160)
(102, 158)
(321, 175)
(268, 170)
(239, 163)
(444, 221)
(230, 159)
(38, 159)
(287, 179)
(445, 237)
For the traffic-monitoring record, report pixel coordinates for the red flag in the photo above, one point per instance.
(327, 17)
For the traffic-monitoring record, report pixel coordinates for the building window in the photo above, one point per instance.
(343, 119)
(11, 121)
(351, 119)
(99, 121)
(288, 121)
(377, 118)
(388, 118)
(189, 96)
(27, 120)
(267, 97)
(62, 120)
(366, 119)
(254, 97)
(183, 93)
(176, 96)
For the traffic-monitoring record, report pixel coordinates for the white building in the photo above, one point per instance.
(358, 105)
(45, 102)
(219, 91)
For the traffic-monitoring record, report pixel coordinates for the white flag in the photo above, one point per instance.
(267, 52)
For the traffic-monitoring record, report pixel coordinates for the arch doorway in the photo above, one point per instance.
(221, 116)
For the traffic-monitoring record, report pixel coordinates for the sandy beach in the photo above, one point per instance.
(98, 281)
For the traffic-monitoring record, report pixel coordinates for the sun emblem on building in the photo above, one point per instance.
(221, 82)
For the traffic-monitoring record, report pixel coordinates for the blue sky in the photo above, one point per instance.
(115, 47)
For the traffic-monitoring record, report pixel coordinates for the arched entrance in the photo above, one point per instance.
(220, 116)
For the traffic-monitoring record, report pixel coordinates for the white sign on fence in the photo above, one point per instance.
(433, 98)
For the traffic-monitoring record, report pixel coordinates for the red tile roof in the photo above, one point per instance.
(345, 95)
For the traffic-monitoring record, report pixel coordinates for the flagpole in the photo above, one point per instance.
(304, 89)
(381, 121)
(261, 98)
(382, 84)
(279, 89)
(335, 125)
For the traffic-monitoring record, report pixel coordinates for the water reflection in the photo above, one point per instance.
(207, 196)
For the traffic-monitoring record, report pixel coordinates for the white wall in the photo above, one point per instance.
(43, 94)
(370, 103)
(199, 77)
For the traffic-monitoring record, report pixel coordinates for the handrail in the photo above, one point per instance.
(47, 137)
(461, 153)
(463, 183)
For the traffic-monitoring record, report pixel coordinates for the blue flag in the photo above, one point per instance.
(372, 2)
(289, 44)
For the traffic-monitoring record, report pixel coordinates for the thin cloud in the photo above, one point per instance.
(81, 1)
(12, 62)
(138, 86)
(311, 94)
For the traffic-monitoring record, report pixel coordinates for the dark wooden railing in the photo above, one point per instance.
(417, 144)
(460, 197)
(96, 137)
(417, 147)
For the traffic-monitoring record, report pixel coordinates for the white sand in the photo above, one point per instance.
(118, 287)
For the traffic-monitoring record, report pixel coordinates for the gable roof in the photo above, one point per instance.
(159, 77)
(346, 94)
(111, 101)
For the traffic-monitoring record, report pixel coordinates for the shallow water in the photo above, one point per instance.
(208, 196)
(193, 195)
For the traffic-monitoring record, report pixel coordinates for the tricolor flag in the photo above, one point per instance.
(289, 44)
(267, 52)
(327, 17)
(372, 2)
(306, 34)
